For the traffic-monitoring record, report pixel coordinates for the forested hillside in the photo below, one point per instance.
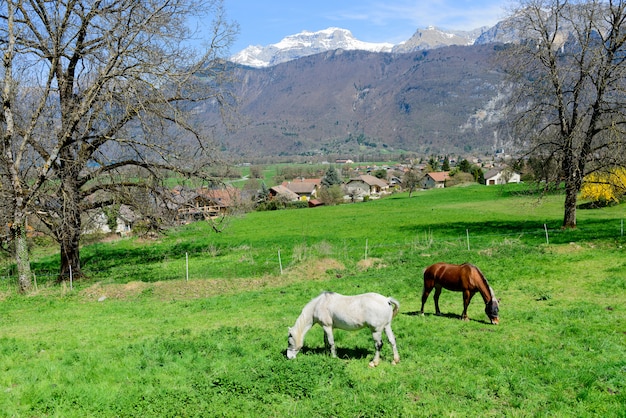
(357, 103)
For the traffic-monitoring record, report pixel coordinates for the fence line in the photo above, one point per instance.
(368, 249)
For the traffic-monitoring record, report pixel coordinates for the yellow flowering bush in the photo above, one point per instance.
(605, 186)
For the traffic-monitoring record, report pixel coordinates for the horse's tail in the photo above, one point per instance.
(396, 306)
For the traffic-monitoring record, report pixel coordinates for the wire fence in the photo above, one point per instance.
(275, 260)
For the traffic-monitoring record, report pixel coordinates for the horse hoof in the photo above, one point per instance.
(373, 364)
(395, 362)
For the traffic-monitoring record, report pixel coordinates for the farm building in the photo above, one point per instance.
(306, 189)
(96, 221)
(205, 202)
(366, 185)
(435, 180)
(501, 176)
(282, 193)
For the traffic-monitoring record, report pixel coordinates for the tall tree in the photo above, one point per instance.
(17, 194)
(433, 163)
(445, 166)
(107, 91)
(568, 77)
(331, 177)
(411, 179)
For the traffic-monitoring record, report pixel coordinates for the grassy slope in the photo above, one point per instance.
(214, 345)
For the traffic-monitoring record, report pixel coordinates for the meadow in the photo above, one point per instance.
(194, 323)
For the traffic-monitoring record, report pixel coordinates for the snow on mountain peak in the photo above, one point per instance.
(303, 44)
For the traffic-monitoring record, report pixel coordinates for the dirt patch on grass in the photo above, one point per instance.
(315, 269)
(115, 291)
(171, 290)
(369, 263)
(572, 247)
(203, 288)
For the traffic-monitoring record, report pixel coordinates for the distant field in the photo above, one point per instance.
(195, 323)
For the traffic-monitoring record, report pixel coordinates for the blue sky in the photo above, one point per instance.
(267, 22)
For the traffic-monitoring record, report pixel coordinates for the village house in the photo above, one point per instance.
(306, 189)
(96, 221)
(501, 176)
(435, 180)
(204, 202)
(282, 193)
(365, 185)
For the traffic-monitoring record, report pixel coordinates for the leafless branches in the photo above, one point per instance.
(95, 90)
(569, 78)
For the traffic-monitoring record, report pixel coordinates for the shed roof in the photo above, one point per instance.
(371, 180)
(225, 196)
(302, 186)
(439, 176)
(281, 190)
(492, 173)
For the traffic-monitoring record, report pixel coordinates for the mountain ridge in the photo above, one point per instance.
(321, 94)
(304, 44)
(308, 43)
(357, 103)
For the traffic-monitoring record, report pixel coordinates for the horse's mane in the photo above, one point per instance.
(484, 279)
(304, 320)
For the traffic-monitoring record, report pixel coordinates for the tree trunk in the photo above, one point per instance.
(569, 218)
(573, 184)
(70, 233)
(70, 258)
(18, 206)
(22, 258)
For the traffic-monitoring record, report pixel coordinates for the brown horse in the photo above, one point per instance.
(465, 278)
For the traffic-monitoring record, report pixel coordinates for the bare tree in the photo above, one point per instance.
(100, 98)
(568, 74)
(412, 179)
(19, 192)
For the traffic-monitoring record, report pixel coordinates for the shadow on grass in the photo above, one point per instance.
(530, 232)
(342, 353)
(444, 315)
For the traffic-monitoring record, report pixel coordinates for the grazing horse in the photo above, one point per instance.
(332, 310)
(465, 278)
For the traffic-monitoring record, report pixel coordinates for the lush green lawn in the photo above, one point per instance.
(141, 340)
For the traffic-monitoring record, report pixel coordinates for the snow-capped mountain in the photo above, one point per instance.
(304, 44)
(432, 37)
(309, 43)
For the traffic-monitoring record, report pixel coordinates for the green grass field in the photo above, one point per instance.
(143, 337)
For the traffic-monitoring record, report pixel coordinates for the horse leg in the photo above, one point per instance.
(436, 297)
(329, 340)
(425, 293)
(392, 341)
(378, 341)
(467, 297)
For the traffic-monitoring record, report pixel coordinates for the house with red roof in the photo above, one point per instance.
(435, 180)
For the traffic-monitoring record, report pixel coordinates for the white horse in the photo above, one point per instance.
(332, 310)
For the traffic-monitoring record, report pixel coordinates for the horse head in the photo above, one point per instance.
(292, 348)
(491, 309)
